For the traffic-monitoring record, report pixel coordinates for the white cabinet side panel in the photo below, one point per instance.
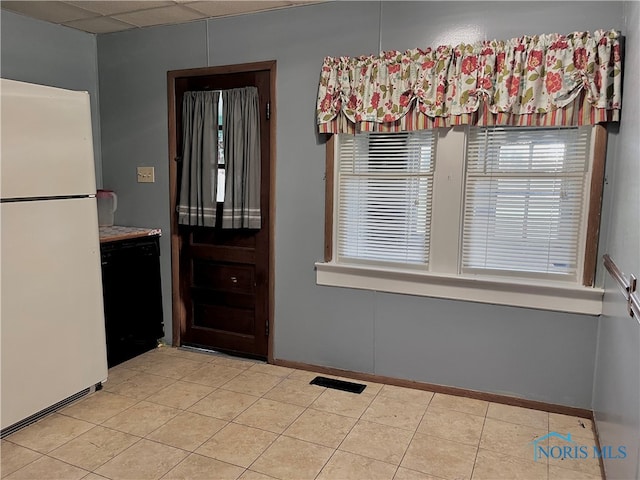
(51, 308)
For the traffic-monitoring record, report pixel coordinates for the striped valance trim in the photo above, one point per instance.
(579, 112)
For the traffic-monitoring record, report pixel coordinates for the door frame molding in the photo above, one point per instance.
(178, 305)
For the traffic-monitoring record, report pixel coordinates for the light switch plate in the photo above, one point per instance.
(146, 175)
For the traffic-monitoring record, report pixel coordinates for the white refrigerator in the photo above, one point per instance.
(52, 330)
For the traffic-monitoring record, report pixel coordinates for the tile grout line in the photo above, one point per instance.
(138, 437)
(62, 461)
(119, 453)
(548, 431)
(414, 436)
(29, 463)
(475, 460)
(280, 435)
(101, 424)
(348, 433)
(48, 454)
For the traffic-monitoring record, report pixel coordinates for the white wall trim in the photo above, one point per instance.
(498, 291)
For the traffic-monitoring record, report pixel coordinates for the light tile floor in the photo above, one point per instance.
(178, 414)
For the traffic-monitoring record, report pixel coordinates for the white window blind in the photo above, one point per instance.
(385, 183)
(524, 198)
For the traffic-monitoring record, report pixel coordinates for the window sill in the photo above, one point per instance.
(498, 291)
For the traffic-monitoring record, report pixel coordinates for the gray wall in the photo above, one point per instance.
(616, 401)
(133, 69)
(40, 52)
(533, 354)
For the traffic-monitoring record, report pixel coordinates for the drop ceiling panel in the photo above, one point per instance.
(113, 8)
(221, 8)
(56, 12)
(160, 16)
(99, 25)
(103, 16)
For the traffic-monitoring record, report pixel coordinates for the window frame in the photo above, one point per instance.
(581, 297)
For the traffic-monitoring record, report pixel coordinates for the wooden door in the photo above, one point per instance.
(223, 277)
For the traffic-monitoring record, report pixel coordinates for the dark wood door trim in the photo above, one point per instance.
(178, 304)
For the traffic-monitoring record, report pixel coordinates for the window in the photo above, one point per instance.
(524, 198)
(385, 183)
(467, 213)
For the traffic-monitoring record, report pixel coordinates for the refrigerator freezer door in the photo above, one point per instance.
(51, 312)
(45, 145)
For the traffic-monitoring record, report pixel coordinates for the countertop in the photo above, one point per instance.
(118, 232)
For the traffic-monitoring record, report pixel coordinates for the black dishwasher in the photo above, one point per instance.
(132, 297)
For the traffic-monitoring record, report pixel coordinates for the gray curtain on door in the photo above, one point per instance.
(197, 203)
(241, 133)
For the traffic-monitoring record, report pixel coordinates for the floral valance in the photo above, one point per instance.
(552, 79)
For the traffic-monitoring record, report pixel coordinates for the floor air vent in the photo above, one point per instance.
(338, 384)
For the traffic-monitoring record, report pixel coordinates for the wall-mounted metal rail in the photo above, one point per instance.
(627, 287)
